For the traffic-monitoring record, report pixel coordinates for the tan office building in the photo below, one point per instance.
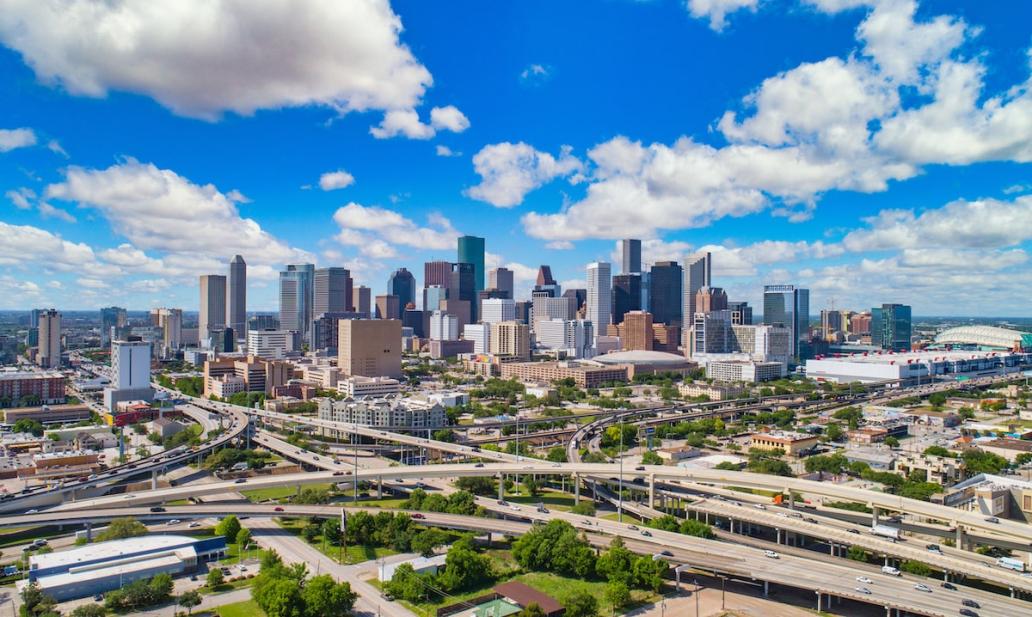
(369, 347)
(510, 339)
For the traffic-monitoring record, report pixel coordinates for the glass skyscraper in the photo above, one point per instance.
(471, 251)
(402, 284)
(665, 296)
(788, 306)
(296, 297)
(891, 327)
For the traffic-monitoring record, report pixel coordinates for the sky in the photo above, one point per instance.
(873, 151)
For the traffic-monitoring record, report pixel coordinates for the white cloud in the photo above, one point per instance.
(402, 122)
(509, 171)
(375, 231)
(441, 150)
(25, 244)
(200, 58)
(333, 180)
(91, 283)
(560, 245)
(55, 146)
(16, 138)
(718, 10)
(48, 211)
(900, 46)
(448, 119)
(21, 198)
(536, 74)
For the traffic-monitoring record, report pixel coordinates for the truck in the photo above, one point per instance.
(885, 531)
(1011, 564)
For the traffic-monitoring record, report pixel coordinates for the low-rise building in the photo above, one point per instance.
(585, 376)
(387, 412)
(876, 457)
(944, 470)
(65, 464)
(715, 392)
(358, 386)
(676, 455)
(1007, 448)
(165, 427)
(26, 388)
(420, 565)
(748, 371)
(791, 442)
(48, 414)
(1003, 496)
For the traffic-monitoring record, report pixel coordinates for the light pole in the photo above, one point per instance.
(619, 507)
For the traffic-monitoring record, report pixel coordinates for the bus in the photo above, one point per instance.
(1011, 564)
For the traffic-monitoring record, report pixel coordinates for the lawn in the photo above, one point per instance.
(554, 500)
(278, 492)
(352, 554)
(562, 587)
(240, 609)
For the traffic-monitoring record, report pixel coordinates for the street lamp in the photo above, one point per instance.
(619, 507)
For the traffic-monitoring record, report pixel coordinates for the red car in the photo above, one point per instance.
(418, 515)
(278, 509)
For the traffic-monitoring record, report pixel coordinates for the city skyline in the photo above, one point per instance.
(813, 147)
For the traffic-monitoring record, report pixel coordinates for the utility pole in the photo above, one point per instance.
(619, 507)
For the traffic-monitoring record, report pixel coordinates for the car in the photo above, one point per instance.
(157, 509)
(935, 548)
(174, 521)
(992, 519)
(243, 568)
(278, 509)
(810, 519)
(923, 587)
(633, 527)
(479, 465)
(417, 515)
(585, 522)
(32, 511)
(338, 473)
(639, 468)
(949, 586)
(239, 480)
(502, 502)
(514, 507)
(863, 590)
(853, 531)
(971, 603)
(759, 506)
(542, 509)
(98, 597)
(646, 533)
(666, 553)
(771, 554)
(194, 525)
(967, 612)
(864, 580)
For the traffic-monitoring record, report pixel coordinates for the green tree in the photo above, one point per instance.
(228, 527)
(322, 597)
(584, 508)
(833, 431)
(615, 563)
(464, 567)
(557, 455)
(215, 578)
(938, 451)
(581, 604)
(857, 553)
(187, 600)
(121, 528)
(728, 466)
(477, 485)
(532, 610)
(27, 425)
(915, 567)
(90, 610)
(1023, 458)
(651, 458)
(980, 461)
(281, 597)
(426, 542)
(617, 595)
(243, 537)
(35, 602)
(648, 573)
(892, 442)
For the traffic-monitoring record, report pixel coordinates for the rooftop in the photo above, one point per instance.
(525, 595)
(641, 357)
(112, 549)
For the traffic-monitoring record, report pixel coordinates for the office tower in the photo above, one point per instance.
(489, 294)
(263, 322)
(433, 296)
(788, 306)
(34, 317)
(471, 251)
(860, 324)
(326, 329)
(600, 295)
(832, 324)
(630, 251)
(547, 307)
(296, 295)
(480, 334)
(416, 319)
(574, 338)
(626, 295)
(272, 344)
(170, 321)
(331, 293)
(665, 296)
(370, 348)
(580, 297)
(437, 273)
(364, 300)
(49, 355)
(443, 327)
(545, 284)
(891, 327)
(462, 286)
(502, 279)
(762, 343)
(498, 309)
(524, 311)
(711, 333)
(459, 308)
(510, 339)
(236, 296)
(111, 317)
(8, 349)
(388, 307)
(212, 314)
(636, 331)
(130, 364)
(695, 276)
(741, 313)
(402, 284)
(710, 299)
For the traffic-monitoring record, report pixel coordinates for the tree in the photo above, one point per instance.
(228, 527)
(532, 610)
(464, 567)
(939, 451)
(892, 442)
(584, 508)
(651, 458)
(187, 600)
(476, 485)
(728, 466)
(833, 431)
(426, 542)
(35, 602)
(1023, 458)
(280, 597)
(215, 578)
(243, 537)
(915, 567)
(557, 455)
(121, 528)
(323, 597)
(980, 461)
(331, 530)
(27, 425)
(93, 610)
(581, 604)
(617, 595)
(615, 563)
(857, 554)
(530, 484)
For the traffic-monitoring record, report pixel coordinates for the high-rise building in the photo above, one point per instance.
(665, 284)
(130, 365)
(630, 251)
(860, 324)
(891, 327)
(711, 299)
(462, 286)
(547, 307)
(471, 251)
(236, 296)
(788, 306)
(600, 295)
(364, 300)
(545, 284)
(498, 309)
(574, 338)
(433, 296)
(443, 327)
(580, 297)
(832, 324)
(695, 276)
(212, 314)
(263, 322)
(741, 313)
(403, 285)
(480, 334)
(296, 296)
(34, 317)
(418, 320)
(170, 320)
(111, 318)
(271, 344)
(510, 339)
(370, 348)
(326, 329)
(332, 291)
(626, 295)
(388, 307)
(459, 308)
(502, 279)
(49, 355)
(437, 273)
(636, 331)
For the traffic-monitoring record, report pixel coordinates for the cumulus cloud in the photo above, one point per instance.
(448, 119)
(24, 245)
(536, 74)
(509, 171)
(333, 180)
(201, 58)
(406, 122)
(441, 150)
(374, 231)
(716, 11)
(11, 139)
(48, 211)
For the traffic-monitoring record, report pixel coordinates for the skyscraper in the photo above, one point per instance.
(433, 296)
(696, 275)
(462, 286)
(403, 285)
(545, 284)
(600, 295)
(170, 320)
(636, 331)
(364, 300)
(711, 299)
(370, 347)
(332, 291)
(788, 306)
(388, 307)
(212, 314)
(890, 327)
(471, 251)
(296, 296)
(626, 295)
(631, 253)
(49, 355)
(436, 273)
(236, 307)
(502, 280)
(665, 284)
(741, 313)
(111, 317)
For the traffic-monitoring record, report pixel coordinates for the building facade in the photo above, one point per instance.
(236, 296)
(370, 347)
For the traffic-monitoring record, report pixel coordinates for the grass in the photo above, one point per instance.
(230, 586)
(554, 500)
(278, 492)
(562, 587)
(22, 535)
(352, 553)
(248, 608)
(390, 503)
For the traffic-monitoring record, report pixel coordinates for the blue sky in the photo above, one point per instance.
(872, 150)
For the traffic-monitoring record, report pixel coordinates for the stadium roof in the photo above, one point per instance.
(985, 336)
(655, 358)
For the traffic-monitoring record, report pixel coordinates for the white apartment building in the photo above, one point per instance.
(378, 387)
(494, 310)
(389, 412)
(480, 334)
(444, 327)
(745, 370)
(600, 295)
(572, 336)
(271, 344)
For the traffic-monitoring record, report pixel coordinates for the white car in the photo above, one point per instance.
(760, 506)
(772, 554)
(864, 580)
(922, 587)
(863, 590)
(174, 521)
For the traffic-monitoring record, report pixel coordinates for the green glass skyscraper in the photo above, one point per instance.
(471, 251)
